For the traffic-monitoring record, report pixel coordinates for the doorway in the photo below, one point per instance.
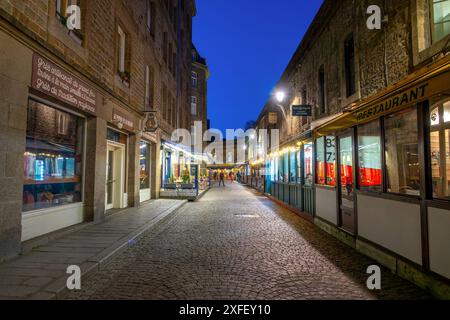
(115, 173)
(346, 183)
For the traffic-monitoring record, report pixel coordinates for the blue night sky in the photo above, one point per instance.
(248, 44)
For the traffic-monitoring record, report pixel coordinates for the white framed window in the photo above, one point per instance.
(440, 19)
(194, 105)
(122, 50)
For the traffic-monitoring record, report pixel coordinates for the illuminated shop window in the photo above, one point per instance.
(440, 150)
(144, 162)
(330, 155)
(308, 163)
(320, 161)
(402, 152)
(369, 151)
(53, 158)
(292, 167)
(440, 13)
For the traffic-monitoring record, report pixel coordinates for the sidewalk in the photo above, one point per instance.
(41, 273)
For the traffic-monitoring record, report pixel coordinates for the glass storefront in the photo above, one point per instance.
(53, 161)
(369, 151)
(308, 163)
(144, 162)
(440, 149)
(402, 152)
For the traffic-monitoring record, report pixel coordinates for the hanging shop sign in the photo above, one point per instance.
(122, 120)
(273, 118)
(151, 122)
(53, 81)
(302, 111)
(415, 90)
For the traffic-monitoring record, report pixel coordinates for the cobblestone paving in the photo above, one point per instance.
(234, 244)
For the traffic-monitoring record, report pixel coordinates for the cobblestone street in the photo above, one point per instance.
(235, 244)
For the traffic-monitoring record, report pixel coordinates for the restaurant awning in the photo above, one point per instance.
(417, 87)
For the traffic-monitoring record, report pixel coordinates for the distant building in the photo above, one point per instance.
(199, 89)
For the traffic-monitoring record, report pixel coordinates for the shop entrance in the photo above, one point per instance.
(346, 183)
(115, 172)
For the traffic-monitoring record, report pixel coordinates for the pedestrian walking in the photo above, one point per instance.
(221, 179)
(238, 177)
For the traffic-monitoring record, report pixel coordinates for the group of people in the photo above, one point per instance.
(221, 176)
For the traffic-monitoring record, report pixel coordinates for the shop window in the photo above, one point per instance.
(53, 160)
(308, 163)
(369, 151)
(286, 167)
(331, 161)
(144, 165)
(299, 166)
(123, 55)
(440, 21)
(292, 167)
(280, 166)
(440, 152)
(320, 161)
(402, 152)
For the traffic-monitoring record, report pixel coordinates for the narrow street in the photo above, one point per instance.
(235, 244)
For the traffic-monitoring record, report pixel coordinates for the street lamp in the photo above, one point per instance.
(280, 96)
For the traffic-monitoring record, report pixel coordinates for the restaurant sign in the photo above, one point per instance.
(53, 81)
(389, 105)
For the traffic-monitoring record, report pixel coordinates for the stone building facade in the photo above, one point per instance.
(370, 164)
(106, 86)
(382, 58)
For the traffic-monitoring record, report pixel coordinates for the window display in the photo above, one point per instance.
(440, 150)
(53, 158)
(402, 152)
(308, 163)
(331, 160)
(144, 165)
(320, 160)
(369, 150)
(292, 167)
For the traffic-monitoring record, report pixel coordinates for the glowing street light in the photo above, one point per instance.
(280, 96)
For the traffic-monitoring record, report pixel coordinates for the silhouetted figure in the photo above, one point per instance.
(221, 179)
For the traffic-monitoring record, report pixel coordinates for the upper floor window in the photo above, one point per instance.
(148, 88)
(151, 17)
(350, 74)
(322, 100)
(440, 19)
(62, 13)
(122, 54)
(194, 105)
(165, 47)
(304, 95)
(194, 77)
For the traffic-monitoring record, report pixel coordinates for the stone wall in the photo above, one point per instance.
(383, 57)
